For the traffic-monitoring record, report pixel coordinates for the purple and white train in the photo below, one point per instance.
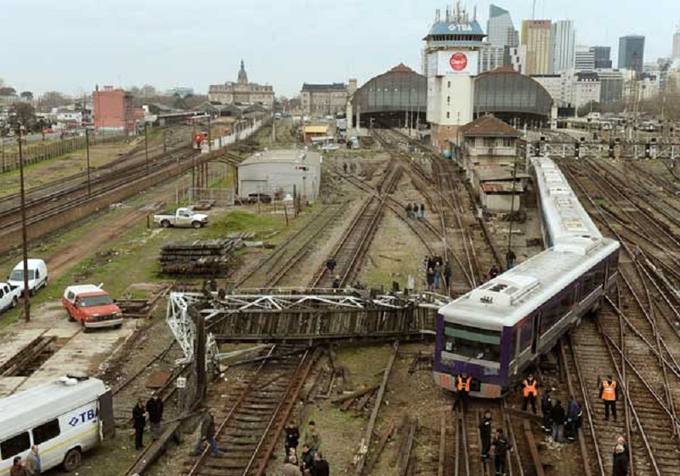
(494, 332)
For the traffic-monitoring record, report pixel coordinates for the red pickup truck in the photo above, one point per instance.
(92, 306)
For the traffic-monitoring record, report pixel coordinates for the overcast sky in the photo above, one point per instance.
(71, 45)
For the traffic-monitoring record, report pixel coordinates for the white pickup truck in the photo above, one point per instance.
(9, 296)
(183, 217)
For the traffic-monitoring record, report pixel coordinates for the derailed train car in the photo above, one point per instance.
(494, 332)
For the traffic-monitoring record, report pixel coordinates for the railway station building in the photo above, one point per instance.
(513, 97)
(393, 99)
(278, 173)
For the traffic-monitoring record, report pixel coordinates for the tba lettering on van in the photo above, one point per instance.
(83, 417)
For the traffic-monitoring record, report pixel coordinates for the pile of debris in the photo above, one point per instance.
(200, 258)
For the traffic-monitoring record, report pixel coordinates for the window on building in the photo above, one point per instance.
(15, 445)
(448, 115)
(448, 84)
(448, 99)
(46, 432)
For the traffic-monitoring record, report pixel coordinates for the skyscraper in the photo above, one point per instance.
(632, 52)
(536, 38)
(585, 58)
(562, 44)
(499, 29)
(602, 56)
(676, 44)
(501, 35)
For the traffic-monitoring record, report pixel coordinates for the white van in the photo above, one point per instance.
(63, 418)
(37, 275)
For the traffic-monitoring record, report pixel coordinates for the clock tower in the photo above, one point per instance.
(451, 61)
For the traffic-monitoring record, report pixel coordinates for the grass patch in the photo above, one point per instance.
(244, 221)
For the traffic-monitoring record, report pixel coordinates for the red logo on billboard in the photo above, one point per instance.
(458, 61)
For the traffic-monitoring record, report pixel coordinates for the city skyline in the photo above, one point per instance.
(127, 43)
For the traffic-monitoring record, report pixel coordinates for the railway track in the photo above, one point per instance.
(635, 338)
(279, 265)
(354, 243)
(254, 413)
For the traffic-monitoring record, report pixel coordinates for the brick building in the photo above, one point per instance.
(113, 110)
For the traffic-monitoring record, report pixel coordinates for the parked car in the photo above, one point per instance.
(259, 198)
(37, 275)
(183, 217)
(9, 296)
(91, 306)
(64, 418)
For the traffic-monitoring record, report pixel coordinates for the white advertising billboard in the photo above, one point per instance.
(447, 63)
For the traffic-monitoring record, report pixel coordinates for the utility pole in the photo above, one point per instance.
(87, 155)
(24, 239)
(146, 148)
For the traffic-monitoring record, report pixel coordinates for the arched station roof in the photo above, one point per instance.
(399, 89)
(508, 94)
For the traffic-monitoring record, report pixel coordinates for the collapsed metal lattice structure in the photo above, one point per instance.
(294, 315)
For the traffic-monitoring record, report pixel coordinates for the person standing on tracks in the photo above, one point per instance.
(447, 276)
(321, 467)
(331, 264)
(336, 282)
(558, 418)
(437, 274)
(546, 410)
(307, 461)
(485, 435)
(609, 393)
(422, 211)
(429, 278)
(493, 272)
(409, 210)
(292, 437)
(574, 417)
(529, 393)
(138, 423)
(510, 259)
(501, 447)
(344, 167)
(463, 382)
(154, 407)
(620, 464)
(312, 438)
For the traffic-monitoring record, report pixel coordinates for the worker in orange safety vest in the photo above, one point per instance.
(609, 393)
(463, 382)
(529, 392)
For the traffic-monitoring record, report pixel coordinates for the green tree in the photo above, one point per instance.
(22, 114)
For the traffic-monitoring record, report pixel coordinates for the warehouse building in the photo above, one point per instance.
(278, 173)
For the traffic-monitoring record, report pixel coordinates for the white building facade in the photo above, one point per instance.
(562, 46)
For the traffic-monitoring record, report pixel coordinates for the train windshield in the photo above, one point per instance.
(472, 342)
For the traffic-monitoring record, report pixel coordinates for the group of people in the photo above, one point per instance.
(30, 466)
(310, 460)
(154, 409)
(557, 422)
(498, 447)
(436, 270)
(415, 211)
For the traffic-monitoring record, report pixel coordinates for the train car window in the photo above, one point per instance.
(472, 342)
(526, 332)
(15, 445)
